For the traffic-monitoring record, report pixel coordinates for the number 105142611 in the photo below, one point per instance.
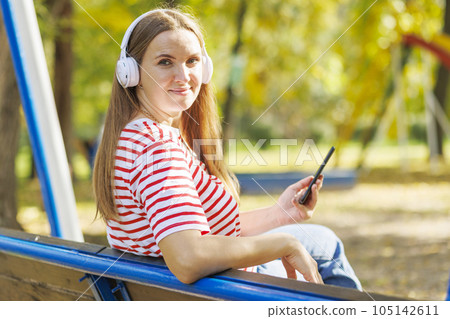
(408, 310)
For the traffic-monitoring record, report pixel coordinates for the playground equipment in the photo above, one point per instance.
(40, 112)
(392, 104)
(277, 182)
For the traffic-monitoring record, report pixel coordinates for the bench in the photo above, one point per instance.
(35, 267)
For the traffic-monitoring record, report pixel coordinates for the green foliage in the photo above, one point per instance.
(340, 72)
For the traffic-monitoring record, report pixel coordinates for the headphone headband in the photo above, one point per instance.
(126, 37)
(127, 69)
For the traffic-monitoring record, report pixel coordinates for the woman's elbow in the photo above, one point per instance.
(186, 256)
(186, 278)
(187, 269)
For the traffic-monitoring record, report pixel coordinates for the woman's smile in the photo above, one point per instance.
(184, 91)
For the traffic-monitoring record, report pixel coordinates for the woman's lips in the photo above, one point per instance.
(181, 91)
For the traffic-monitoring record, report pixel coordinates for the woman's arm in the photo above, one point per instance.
(191, 256)
(258, 221)
(286, 211)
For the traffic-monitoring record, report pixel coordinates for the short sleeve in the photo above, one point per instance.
(162, 183)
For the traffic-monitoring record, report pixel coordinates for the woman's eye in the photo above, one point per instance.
(164, 62)
(193, 60)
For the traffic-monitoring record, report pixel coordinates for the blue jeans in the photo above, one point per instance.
(326, 249)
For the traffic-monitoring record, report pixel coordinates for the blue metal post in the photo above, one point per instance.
(24, 84)
(448, 290)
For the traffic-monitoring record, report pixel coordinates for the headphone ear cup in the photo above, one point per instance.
(134, 72)
(127, 72)
(207, 68)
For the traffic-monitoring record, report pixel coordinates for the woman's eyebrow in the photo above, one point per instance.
(164, 56)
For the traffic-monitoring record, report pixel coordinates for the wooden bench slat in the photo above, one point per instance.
(26, 279)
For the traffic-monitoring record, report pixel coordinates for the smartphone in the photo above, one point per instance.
(305, 196)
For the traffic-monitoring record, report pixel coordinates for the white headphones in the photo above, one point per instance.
(127, 69)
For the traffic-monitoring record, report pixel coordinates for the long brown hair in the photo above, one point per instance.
(200, 121)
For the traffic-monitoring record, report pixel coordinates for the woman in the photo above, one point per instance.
(161, 199)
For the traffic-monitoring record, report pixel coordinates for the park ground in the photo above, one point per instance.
(395, 226)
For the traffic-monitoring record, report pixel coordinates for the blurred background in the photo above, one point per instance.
(369, 77)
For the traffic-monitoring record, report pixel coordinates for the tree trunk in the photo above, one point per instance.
(229, 100)
(63, 64)
(9, 135)
(440, 88)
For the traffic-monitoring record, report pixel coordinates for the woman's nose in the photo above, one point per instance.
(182, 74)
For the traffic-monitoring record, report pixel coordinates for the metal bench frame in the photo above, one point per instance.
(124, 276)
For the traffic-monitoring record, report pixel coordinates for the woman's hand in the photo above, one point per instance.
(289, 210)
(299, 259)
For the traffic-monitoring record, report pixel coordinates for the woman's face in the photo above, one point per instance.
(171, 73)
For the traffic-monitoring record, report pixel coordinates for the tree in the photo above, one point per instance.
(9, 135)
(440, 88)
(334, 97)
(228, 104)
(61, 11)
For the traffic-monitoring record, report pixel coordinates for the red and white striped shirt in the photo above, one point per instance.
(162, 188)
